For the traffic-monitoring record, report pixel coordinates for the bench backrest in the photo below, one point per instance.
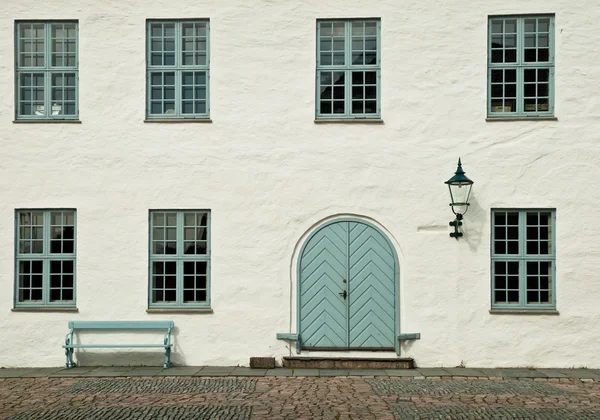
(120, 325)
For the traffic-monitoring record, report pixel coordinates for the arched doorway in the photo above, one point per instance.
(348, 288)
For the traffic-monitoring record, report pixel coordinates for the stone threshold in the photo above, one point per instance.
(552, 375)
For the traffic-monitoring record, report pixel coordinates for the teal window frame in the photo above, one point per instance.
(334, 79)
(179, 261)
(513, 83)
(173, 80)
(50, 276)
(523, 235)
(47, 70)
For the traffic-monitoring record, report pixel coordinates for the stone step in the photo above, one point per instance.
(348, 363)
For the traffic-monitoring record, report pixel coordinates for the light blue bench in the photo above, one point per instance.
(70, 346)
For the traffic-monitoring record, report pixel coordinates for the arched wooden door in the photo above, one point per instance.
(347, 288)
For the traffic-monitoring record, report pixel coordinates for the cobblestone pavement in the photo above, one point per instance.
(272, 397)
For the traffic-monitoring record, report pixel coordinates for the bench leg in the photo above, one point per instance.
(167, 357)
(69, 355)
(71, 358)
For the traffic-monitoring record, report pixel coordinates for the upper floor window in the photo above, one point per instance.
(45, 258)
(521, 66)
(179, 258)
(46, 70)
(348, 69)
(178, 69)
(523, 259)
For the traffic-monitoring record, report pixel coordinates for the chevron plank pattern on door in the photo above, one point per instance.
(323, 267)
(372, 288)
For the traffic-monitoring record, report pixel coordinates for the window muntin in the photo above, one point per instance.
(178, 69)
(521, 66)
(179, 258)
(348, 69)
(47, 70)
(523, 258)
(45, 258)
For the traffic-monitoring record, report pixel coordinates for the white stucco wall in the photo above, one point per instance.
(269, 174)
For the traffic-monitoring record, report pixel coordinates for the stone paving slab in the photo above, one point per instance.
(218, 371)
(521, 373)
(403, 372)
(552, 373)
(280, 372)
(333, 372)
(465, 372)
(110, 371)
(28, 372)
(433, 372)
(180, 371)
(244, 371)
(581, 373)
(76, 371)
(491, 373)
(146, 371)
(367, 372)
(306, 372)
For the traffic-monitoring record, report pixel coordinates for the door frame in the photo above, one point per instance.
(396, 277)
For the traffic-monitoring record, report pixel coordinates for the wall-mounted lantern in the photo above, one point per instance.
(460, 190)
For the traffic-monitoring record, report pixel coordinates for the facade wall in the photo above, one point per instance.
(270, 175)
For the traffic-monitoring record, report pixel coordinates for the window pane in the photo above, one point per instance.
(364, 47)
(31, 94)
(30, 283)
(539, 282)
(194, 281)
(31, 226)
(63, 93)
(506, 282)
(61, 281)
(164, 282)
(331, 86)
(332, 43)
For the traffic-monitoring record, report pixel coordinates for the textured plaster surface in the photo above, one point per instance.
(270, 175)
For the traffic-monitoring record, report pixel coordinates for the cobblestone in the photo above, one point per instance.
(308, 397)
(140, 413)
(162, 386)
(499, 413)
(438, 387)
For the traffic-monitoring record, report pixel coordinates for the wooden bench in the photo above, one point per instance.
(70, 346)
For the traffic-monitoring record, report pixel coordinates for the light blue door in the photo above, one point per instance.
(347, 289)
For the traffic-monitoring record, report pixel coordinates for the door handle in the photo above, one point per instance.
(344, 294)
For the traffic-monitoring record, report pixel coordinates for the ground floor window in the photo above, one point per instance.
(523, 259)
(179, 258)
(45, 258)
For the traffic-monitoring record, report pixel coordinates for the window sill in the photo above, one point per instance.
(47, 121)
(178, 120)
(524, 312)
(494, 119)
(179, 310)
(50, 309)
(349, 121)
